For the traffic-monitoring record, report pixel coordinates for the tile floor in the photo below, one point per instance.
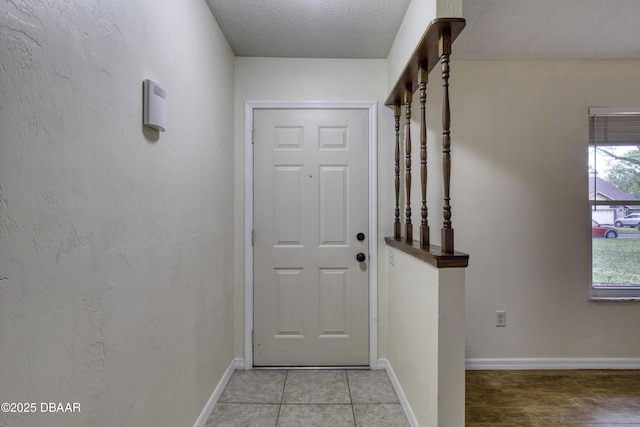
(298, 398)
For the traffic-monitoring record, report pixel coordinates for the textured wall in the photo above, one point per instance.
(520, 208)
(115, 242)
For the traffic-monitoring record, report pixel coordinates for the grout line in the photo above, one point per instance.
(353, 411)
(284, 385)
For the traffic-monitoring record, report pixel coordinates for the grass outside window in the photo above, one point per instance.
(616, 262)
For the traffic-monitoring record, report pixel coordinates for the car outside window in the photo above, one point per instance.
(614, 203)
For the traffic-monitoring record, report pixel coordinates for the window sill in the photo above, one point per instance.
(620, 294)
(615, 299)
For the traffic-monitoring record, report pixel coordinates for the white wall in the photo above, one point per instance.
(116, 279)
(516, 182)
(519, 132)
(419, 14)
(310, 80)
(426, 337)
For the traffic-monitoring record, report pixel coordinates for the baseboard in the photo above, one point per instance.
(386, 365)
(237, 363)
(552, 363)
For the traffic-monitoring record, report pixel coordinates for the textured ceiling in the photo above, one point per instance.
(550, 30)
(496, 29)
(310, 28)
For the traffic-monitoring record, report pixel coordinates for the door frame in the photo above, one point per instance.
(372, 108)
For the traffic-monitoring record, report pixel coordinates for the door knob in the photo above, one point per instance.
(360, 237)
(361, 257)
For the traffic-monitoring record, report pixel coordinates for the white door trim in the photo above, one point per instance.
(372, 107)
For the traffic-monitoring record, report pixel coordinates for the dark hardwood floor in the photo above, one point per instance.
(585, 398)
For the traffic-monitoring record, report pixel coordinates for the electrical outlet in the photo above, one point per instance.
(501, 318)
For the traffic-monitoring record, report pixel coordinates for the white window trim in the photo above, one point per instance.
(617, 294)
(603, 293)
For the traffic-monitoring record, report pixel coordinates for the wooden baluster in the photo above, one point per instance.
(444, 50)
(407, 102)
(424, 225)
(397, 232)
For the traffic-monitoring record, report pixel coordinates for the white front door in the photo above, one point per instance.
(311, 206)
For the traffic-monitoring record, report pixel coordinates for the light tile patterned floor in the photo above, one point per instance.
(281, 398)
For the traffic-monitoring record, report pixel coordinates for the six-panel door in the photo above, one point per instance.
(310, 202)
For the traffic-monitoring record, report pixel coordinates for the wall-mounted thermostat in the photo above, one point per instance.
(155, 99)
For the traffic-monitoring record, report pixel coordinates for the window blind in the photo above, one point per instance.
(614, 127)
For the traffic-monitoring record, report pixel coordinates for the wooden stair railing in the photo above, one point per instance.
(397, 228)
(434, 47)
(424, 211)
(408, 229)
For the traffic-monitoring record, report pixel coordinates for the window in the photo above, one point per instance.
(614, 202)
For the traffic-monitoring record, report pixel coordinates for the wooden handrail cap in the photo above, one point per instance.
(425, 53)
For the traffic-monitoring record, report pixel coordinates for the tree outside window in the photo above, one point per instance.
(614, 200)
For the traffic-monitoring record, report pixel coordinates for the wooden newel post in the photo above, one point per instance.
(407, 140)
(424, 224)
(444, 50)
(397, 230)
